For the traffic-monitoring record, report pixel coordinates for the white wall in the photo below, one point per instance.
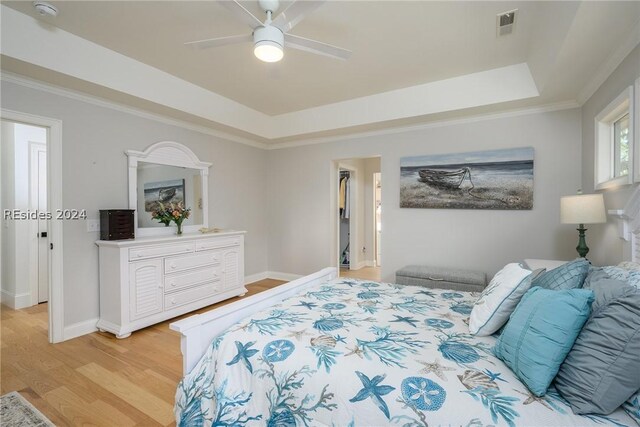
(299, 198)
(7, 199)
(95, 177)
(606, 247)
(16, 290)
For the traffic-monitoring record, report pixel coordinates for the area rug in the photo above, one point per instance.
(16, 411)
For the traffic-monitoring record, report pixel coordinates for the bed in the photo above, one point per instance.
(321, 351)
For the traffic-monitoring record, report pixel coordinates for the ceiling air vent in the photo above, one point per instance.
(506, 22)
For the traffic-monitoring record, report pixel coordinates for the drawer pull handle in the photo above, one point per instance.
(173, 302)
(139, 255)
(436, 279)
(173, 265)
(173, 284)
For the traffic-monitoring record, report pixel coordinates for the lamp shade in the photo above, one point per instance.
(582, 209)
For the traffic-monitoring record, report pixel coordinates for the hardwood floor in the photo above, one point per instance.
(366, 273)
(95, 379)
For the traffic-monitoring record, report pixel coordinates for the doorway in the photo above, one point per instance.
(355, 244)
(31, 250)
(24, 187)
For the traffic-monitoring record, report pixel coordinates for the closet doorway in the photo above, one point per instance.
(356, 211)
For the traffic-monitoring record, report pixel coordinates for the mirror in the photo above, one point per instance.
(162, 184)
(167, 172)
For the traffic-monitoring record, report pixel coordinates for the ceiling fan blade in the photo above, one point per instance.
(295, 13)
(219, 41)
(313, 46)
(241, 13)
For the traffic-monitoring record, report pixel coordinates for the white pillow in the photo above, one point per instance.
(499, 299)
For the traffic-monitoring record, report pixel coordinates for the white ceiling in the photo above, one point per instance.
(395, 44)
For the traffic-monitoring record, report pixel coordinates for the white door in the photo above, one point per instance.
(38, 196)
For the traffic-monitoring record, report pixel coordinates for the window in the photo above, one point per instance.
(614, 142)
(621, 146)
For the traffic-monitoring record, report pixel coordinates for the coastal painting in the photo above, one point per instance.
(170, 191)
(496, 179)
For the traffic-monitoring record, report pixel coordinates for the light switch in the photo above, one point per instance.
(93, 225)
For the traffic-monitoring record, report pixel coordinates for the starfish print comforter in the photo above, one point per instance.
(361, 353)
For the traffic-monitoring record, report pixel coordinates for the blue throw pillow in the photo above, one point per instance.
(568, 276)
(540, 333)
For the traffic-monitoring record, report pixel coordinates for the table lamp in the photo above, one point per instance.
(582, 209)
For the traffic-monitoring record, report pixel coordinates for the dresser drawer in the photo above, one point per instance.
(175, 264)
(158, 251)
(205, 245)
(174, 282)
(190, 295)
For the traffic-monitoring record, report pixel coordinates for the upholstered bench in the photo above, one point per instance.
(442, 278)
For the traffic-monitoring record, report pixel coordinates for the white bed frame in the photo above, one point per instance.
(198, 331)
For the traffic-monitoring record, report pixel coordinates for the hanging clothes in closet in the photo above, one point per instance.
(344, 195)
(345, 211)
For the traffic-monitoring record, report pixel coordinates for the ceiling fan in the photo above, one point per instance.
(269, 37)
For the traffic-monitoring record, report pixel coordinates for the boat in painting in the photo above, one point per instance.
(166, 194)
(444, 178)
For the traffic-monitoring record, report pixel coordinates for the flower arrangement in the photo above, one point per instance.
(166, 213)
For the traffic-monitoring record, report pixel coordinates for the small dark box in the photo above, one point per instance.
(116, 224)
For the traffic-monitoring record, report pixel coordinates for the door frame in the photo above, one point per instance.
(337, 165)
(34, 249)
(376, 241)
(54, 204)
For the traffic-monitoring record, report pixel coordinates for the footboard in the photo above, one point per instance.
(199, 330)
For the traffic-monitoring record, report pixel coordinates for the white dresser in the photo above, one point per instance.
(148, 280)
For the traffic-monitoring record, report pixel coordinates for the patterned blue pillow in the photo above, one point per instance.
(630, 276)
(568, 276)
(632, 407)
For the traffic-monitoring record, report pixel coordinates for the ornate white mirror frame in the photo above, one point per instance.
(171, 154)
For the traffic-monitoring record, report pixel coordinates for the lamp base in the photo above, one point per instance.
(582, 247)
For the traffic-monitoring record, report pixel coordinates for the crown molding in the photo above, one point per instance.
(566, 105)
(610, 65)
(101, 102)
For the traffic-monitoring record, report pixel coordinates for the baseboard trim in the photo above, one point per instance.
(283, 276)
(14, 301)
(7, 298)
(358, 266)
(256, 277)
(277, 275)
(81, 328)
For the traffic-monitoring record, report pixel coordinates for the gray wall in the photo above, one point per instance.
(299, 196)
(95, 177)
(606, 247)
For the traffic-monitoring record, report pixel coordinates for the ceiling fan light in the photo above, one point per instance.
(268, 51)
